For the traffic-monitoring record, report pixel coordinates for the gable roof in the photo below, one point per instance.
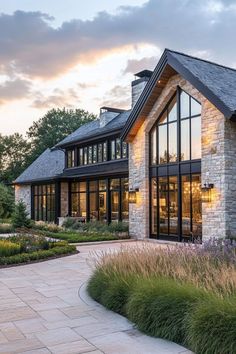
(93, 129)
(216, 82)
(48, 165)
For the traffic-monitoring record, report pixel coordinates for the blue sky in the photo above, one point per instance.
(83, 54)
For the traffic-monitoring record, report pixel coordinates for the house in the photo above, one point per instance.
(167, 165)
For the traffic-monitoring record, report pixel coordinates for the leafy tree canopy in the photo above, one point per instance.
(55, 126)
(6, 201)
(14, 151)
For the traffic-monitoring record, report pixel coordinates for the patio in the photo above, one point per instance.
(44, 308)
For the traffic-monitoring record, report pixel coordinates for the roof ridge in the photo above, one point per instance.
(200, 59)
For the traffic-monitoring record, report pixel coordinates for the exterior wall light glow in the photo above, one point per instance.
(206, 192)
(133, 195)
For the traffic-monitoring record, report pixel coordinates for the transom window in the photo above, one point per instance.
(182, 114)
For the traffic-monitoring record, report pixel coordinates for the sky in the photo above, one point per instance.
(84, 54)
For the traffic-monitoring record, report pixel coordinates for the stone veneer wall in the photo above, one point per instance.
(218, 166)
(64, 199)
(23, 193)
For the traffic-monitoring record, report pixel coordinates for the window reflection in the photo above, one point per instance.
(162, 140)
(153, 147)
(196, 138)
(185, 140)
(173, 205)
(154, 205)
(163, 205)
(184, 105)
(173, 142)
(195, 107)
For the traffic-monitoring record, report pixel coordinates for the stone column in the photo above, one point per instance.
(23, 193)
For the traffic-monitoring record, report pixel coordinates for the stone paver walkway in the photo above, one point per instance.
(44, 308)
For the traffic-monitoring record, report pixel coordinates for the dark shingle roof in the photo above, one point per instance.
(216, 82)
(93, 129)
(219, 79)
(49, 164)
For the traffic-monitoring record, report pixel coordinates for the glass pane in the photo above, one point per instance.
(163, 118)
(186, 216)
(100, 152)
(184, 105)
(173, 142)
(195, 107)
(93, 206)
(125, 205)
(40, 208)
(115, 183)
(154, 206)
(53, 188)
(125, 184)
(185, 140)
(162, 143)
(95, 153)
(75, 204)
(196, 206)
(82, 186)
(113, 151)
(74, 187)
(196, 138)
(114, 205)
(93, 186)
(124, 150)
(81, 156)
(154, 147)
(172, 109)
(44, 201)
(118, 148)
(105, 151)
(102, 185)
(102, 206)
(85, 156)
(173, 205)
(36, 208)
(90, 154)
(163, 205)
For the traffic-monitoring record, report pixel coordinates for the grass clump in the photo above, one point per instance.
(8, 248)
(186, 294)
(211, 327)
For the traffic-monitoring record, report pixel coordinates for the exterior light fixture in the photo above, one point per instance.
(133, 195)
(206, 192)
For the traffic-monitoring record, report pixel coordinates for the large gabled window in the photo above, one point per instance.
(177, 134)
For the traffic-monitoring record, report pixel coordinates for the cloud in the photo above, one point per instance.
(15, 89)
(118, 97)
(134, 65)
(58, 98)
(30, 45)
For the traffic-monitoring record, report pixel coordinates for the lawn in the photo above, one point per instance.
(186, 294)
(28, 248)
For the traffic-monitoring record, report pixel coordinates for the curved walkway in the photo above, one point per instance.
(44, 308)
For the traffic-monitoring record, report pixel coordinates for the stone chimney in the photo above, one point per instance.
(107, 114)
(139, 83)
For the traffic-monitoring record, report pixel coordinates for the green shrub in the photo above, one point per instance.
(159, 306)
(76, 237)
(118, 227)
(69, 222)
(211, 327)
(8, 248)
(20, 216)
(6, 229)
(37, 255)
(110, 290)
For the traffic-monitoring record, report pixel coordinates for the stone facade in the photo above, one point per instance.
(64, 199)
(23, 193)
(218, 166)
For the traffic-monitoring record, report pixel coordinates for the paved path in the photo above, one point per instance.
(44, 308)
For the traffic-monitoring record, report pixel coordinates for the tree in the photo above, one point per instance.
(20, 216)
(55, 126)
(14, 150)
(6, 201)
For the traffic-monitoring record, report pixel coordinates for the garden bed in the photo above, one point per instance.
(185, 294)
(22, 249)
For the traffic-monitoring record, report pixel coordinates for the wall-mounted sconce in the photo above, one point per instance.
(133, 195)
(206, 192)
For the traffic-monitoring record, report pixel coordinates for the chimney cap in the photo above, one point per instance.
(144, 73)
(111, 109)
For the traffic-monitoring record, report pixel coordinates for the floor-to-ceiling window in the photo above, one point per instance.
(44, 202)
(103, 200)
(175, 170)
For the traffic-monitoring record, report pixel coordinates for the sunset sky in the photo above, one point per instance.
(83, 54)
